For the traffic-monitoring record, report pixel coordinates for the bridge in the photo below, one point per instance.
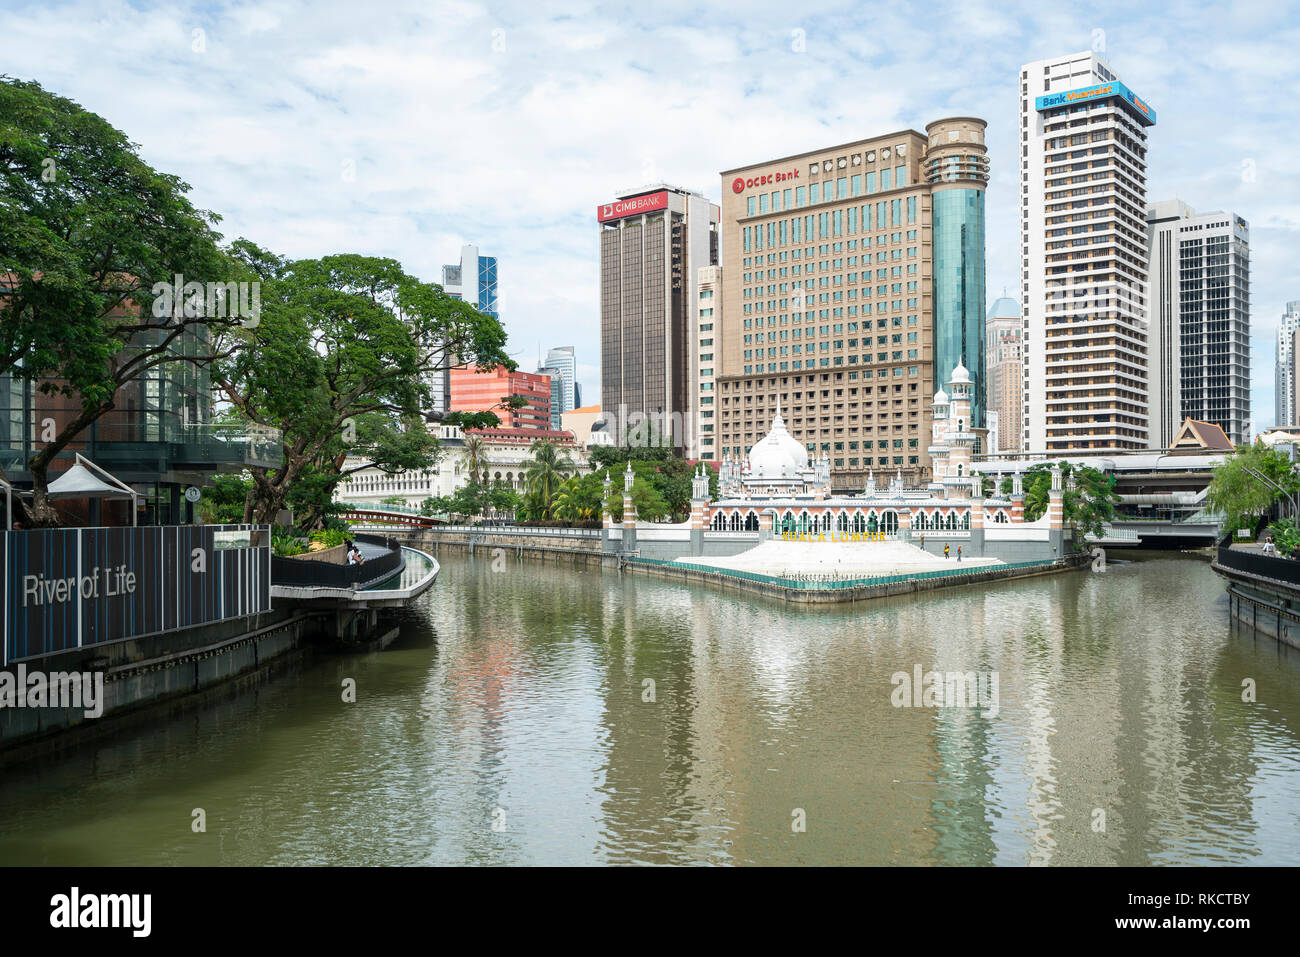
(389, 515)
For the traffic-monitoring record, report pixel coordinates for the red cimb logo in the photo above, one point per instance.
(738, 184)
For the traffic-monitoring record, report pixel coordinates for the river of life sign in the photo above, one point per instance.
(70, 588)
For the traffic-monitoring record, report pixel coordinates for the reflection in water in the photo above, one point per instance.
(554, 715)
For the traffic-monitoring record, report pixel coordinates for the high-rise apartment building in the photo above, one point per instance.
(652, 243)
(1200, 321)
(1083, 294)
(704, 444)
(1002, 364)
(1284, 377)
(474, 390)
(849, 275)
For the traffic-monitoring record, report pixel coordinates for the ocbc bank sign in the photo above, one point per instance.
(742, 183)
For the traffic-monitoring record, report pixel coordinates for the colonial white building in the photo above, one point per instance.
(506, 453)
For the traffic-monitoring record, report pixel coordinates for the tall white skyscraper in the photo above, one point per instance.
(1200, 321)
(1284, 380)
(1083, 291)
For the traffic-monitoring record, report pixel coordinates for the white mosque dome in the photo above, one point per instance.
(960, 374)
(941, 398)
(777, 454)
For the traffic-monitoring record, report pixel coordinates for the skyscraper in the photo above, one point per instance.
(473, 279)
(1200, 321)
(1003, 370)
(850, 274)
(1083, 145)
(564, 365)
(652, 243)
(1284, 380)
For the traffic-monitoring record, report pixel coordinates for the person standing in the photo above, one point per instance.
(958, 553)
(945, 550)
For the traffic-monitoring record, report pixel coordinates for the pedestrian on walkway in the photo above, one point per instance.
(945, 551)
(958, 553)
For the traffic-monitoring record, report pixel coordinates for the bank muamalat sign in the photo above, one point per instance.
(632, 206)
(742, 183)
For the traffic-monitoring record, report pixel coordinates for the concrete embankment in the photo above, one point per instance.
(817, 592)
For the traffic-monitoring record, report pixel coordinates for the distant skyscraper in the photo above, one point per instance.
(1003, 374)
(652, 243)
(1083, 170)
(1284, 381)
(1200, 321)
(473, 279)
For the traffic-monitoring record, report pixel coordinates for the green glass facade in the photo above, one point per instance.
(958, 231)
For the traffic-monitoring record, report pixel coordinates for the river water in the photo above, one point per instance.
(535, 714)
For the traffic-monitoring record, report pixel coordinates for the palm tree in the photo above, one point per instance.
(546, 470)
(475, 453)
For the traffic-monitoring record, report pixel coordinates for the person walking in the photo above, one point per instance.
(945, 551)
(958, 553)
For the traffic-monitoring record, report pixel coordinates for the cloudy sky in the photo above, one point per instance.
(405, 129)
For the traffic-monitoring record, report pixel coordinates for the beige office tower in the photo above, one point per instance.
(1003, 366)
(849, 275)
(652, 243)
(1084, 302)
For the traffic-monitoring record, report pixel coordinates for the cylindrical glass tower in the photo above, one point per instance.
(957, 167)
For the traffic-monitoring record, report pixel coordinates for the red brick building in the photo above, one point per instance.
(476, 391)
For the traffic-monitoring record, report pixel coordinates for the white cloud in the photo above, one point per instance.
(505, 125)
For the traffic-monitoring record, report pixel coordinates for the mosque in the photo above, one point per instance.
(778, 497)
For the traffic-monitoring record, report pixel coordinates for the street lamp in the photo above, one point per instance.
(1289, 497)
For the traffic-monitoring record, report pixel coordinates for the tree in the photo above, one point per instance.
(339, 364)
(472, 420)
(223, 499)
(650, 505)
(545, 471)
(1089, 506)
(475, 456)
(1242, 497)
(579, 499)
(91, 238)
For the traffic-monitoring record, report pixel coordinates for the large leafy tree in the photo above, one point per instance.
(339, 365)
(87, 229)
(1089, 505)
(1237, 491)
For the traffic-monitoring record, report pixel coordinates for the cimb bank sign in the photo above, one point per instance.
(72, 588)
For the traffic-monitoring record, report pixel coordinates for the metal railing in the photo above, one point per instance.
(308, 574)
(1279, 569)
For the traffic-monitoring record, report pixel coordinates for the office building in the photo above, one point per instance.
(1284, 377)
(1083, 145)
(652, 243)
(1002, 363)
(473, 390)
(847, 274)
(1200, 321)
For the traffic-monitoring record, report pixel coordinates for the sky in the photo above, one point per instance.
(406, 129)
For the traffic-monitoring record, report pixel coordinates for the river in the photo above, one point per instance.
(539, 714)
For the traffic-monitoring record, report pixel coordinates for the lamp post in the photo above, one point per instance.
(1287, 496)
